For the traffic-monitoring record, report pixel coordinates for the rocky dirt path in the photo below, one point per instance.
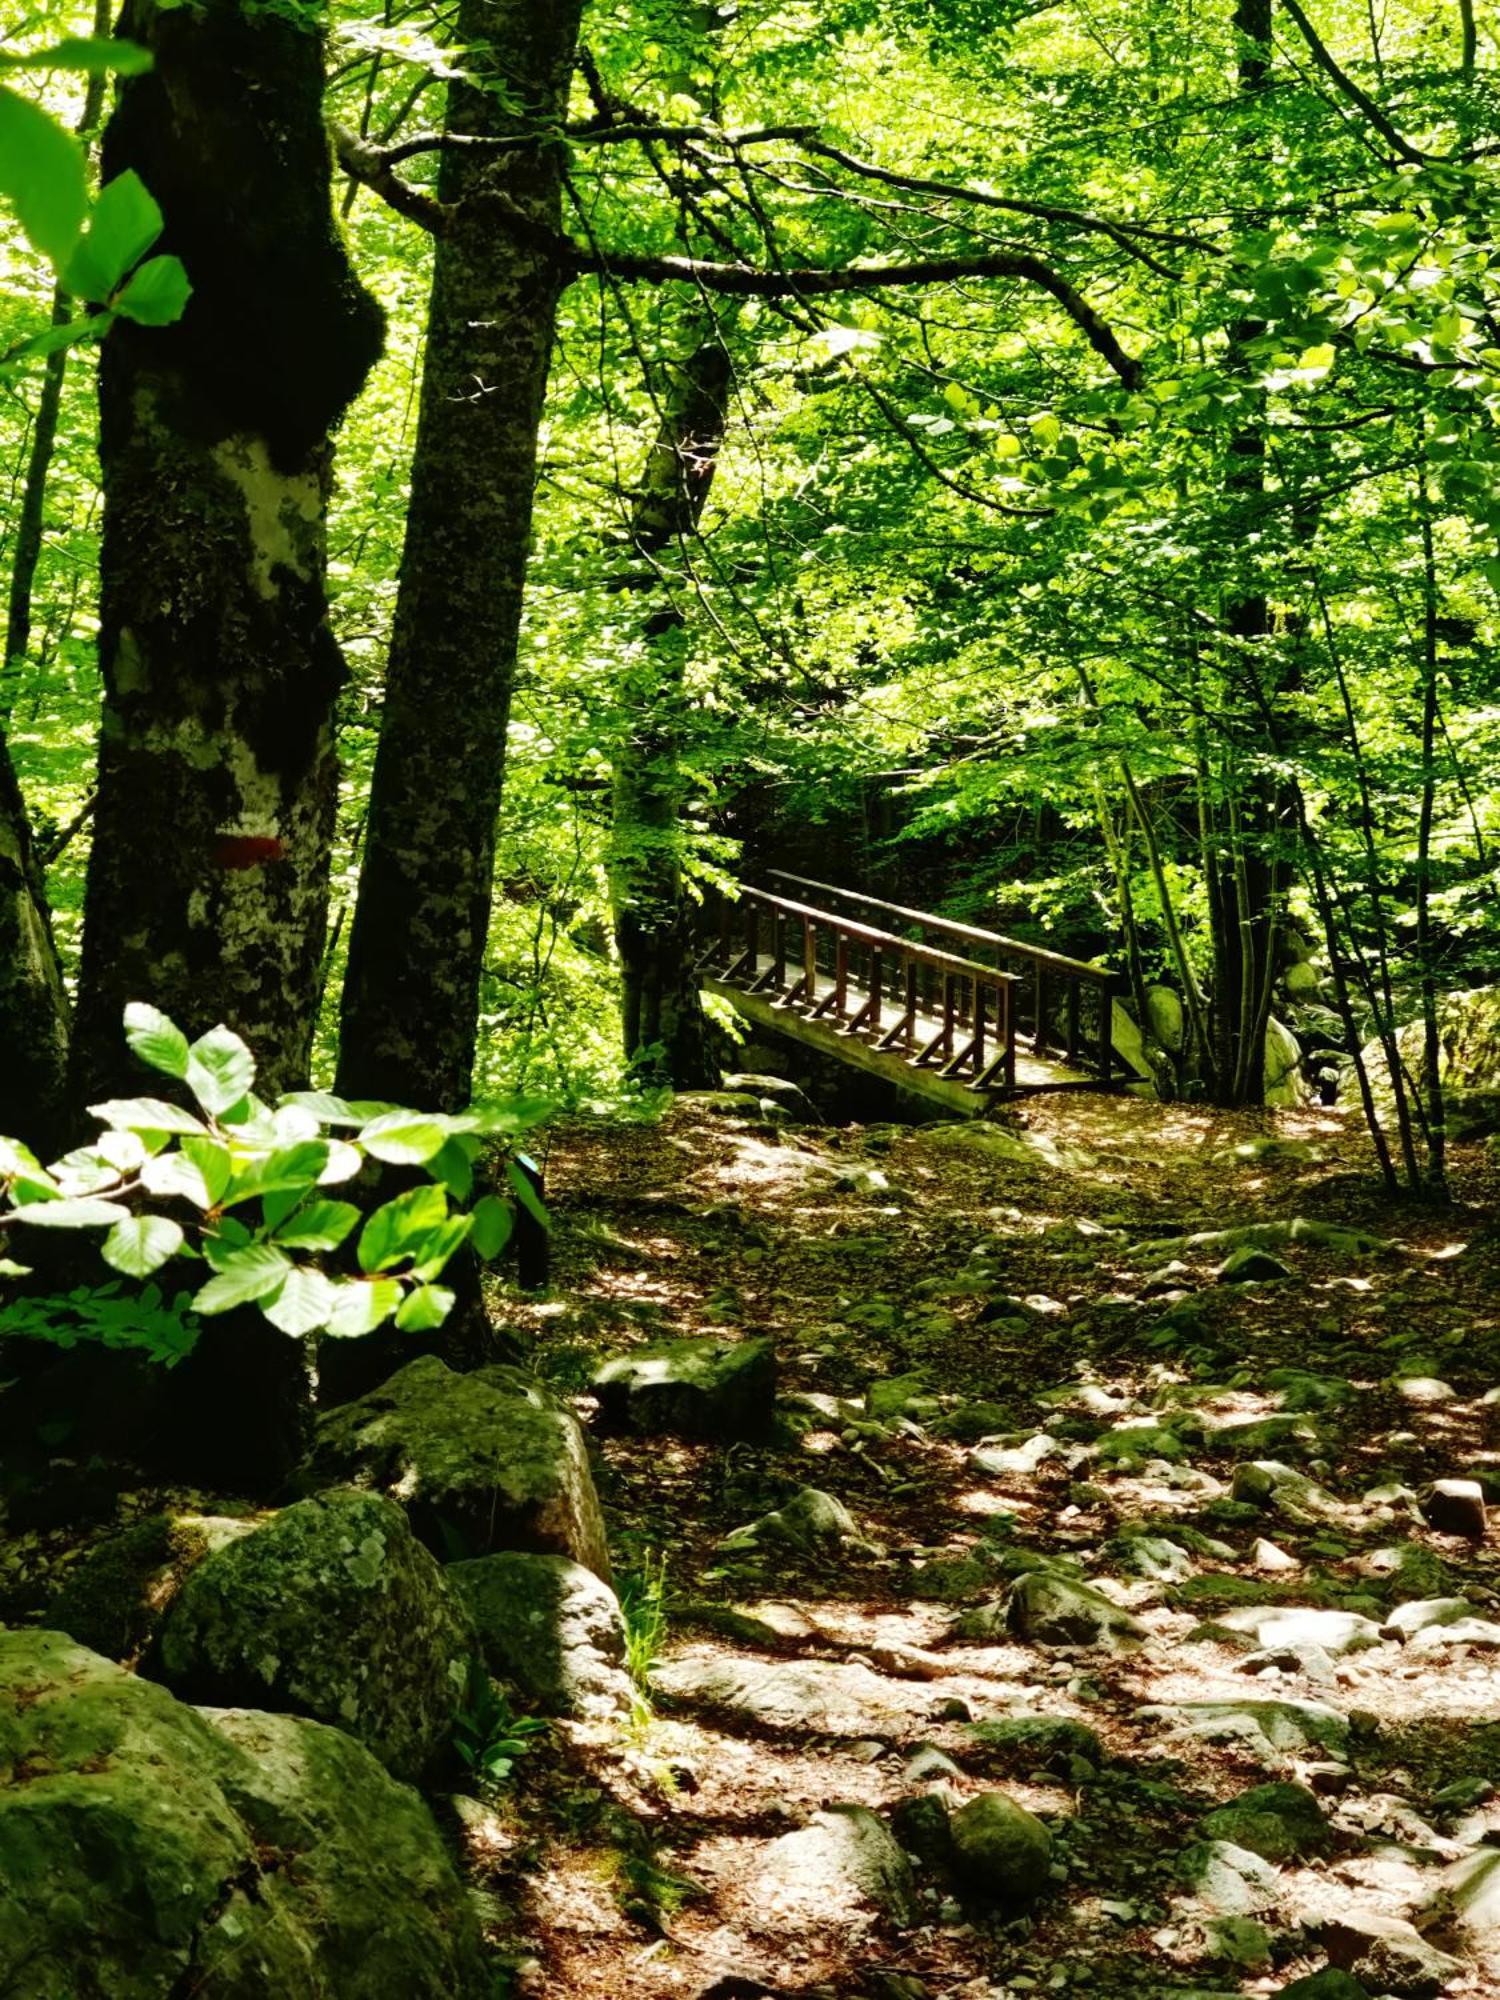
(1154, 1557)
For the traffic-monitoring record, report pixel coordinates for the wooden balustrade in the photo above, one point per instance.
(1063, 1006)
(954, 1014)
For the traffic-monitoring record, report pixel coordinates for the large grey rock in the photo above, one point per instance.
(1053, 1610)
(1275, 1821)
(1284, 1081)
(149, 1849)
(1001, 1852)
(810, 1697)
(332, 1610)
(1388, 1955)
(552, 1627)
(810, 1520)
(843, 1864)
(716, 1390)
(484, 1461)
(1290, 1626)
(1229, 1880)
(1456, 1507)
(1165, 1018)
(1266, 1482)
(1468, 1901)
(1267, 1729)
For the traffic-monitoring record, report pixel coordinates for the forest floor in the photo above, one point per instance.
(666, 1860)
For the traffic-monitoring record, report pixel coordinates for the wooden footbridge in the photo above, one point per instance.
(959, 1015)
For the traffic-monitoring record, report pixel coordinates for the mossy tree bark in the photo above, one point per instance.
(207, 883)
(416, 946)
(664, 1029)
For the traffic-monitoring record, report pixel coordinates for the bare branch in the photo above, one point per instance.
(371, 166)
(1345, 83)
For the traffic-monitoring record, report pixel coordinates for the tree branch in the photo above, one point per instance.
(371, 166)
(1342, 81)
(745, 281)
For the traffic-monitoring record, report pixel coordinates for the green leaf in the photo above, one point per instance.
(220, 1070)
(454, 1167)
(526, 1194)
(20, 1165)
(325, 1107)
(213, 1162)
(157, 294)
(344, 1162)
(322, 1225)
(303, 1303)
(404, 1138)
(249, 1274)
(146, 1114)
(174, 1177)
(51, 340)
(83, 1213)
(90, 54)
(225, 1244)
(42, 176)
(290, 1169)
(492, 1222)
(141, 1244)
(158, 1042)
(124, 224)
(428, 1306)
(360, 1307)
(399, 1229)
(504, 1115)
(433, 1252)
(1318, 360)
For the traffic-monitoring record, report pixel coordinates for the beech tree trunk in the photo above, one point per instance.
(665, 1033)
(416, 945)
(208, 877)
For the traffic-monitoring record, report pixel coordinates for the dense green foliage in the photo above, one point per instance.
(993, 534)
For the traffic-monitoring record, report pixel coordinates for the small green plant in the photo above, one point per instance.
(240, 1187)
(109, 1316)
(643, 1604)
(487, 1734)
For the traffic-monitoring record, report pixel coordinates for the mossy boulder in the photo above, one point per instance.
(113, 1602)
(712, 1390)
(1001, 1852)
(485, 1461)
(148, 1848)
(332, 1610)
(1276, 1821)
(550, 1626)
(1053, 1610)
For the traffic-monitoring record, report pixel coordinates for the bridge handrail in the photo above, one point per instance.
(1075, 968)
(919, 954)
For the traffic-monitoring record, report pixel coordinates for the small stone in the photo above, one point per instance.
(1249, 1266)
(927, 1763)
(1478, 1632)
(1001, 1852)
(920, 1824)
(1463, 1795)
(810, 1520)
(1456, 1507)
(1425, 1391)
(1270, 1559)
(844, 1857)
(1238, 1941)
(1232, 1881)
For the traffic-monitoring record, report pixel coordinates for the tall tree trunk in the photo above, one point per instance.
(416, 946)
(33, 1003)
(664, 1029)
(33, 1006)
(208, 877)
(1245, 896)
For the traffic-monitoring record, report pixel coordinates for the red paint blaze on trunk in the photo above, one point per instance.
(247, 850)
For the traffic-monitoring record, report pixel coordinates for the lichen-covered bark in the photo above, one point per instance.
(416, 946)
(207, 886)
(664, 1030)
(33, 1006)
